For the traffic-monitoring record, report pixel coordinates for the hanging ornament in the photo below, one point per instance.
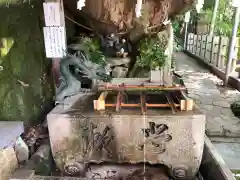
(80, 4)
(138, 8)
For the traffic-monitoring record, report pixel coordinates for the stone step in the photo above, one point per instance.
(230, 152)
(9, 131)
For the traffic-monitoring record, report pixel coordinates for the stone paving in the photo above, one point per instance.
(210, 97)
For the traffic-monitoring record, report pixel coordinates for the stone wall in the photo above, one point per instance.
(8, 163)
(25, 77)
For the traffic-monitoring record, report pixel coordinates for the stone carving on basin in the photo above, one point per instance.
(156, 137)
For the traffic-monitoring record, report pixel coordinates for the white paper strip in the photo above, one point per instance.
(80, 4)
(236, 3)
(138, 8)
(55, 42)
(187, 17)
(52, 14)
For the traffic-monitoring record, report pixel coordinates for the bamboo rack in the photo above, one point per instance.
(184, 104)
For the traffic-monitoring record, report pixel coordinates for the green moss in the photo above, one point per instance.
(236, 172)
(23, 60)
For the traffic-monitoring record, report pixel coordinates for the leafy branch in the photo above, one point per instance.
(151, 53)
(91, 48)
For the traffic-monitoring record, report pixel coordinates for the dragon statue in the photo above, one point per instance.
(75, 70)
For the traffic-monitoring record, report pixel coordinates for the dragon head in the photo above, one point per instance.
(92, 70)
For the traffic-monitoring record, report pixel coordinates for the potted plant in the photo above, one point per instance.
(152, 57)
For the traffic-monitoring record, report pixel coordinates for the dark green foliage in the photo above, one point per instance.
(26, 81)
(224, 22)
(178, 37)
(91, 49)
(235, 107)
(152, 53)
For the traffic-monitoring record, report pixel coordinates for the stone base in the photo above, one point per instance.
(8, 163)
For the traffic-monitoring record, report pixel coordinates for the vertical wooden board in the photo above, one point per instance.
(224, 51)
(198, 45)
(191, 43)
(203, 44)
(235, 56)
(195, 44)
(238, 51)
(205, 48)
(208, 48)
(188, 41)
(219, 57)
(215, 50)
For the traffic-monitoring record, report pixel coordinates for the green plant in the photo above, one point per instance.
(151, 53)
(178, 40)
(223, 24)
(235, 107)
(91, 49)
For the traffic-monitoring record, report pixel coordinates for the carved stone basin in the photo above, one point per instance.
(80, 135)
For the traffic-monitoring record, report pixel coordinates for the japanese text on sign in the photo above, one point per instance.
(55, 42)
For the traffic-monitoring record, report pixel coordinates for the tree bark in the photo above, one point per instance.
(119, 15)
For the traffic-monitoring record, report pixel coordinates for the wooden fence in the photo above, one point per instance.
(212, 49)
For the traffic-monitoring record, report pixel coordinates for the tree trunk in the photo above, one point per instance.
(111, 16)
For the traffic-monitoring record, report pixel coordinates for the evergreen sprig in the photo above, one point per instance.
(151, 53)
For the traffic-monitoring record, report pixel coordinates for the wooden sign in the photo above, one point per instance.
(55, 42)
(52, 13)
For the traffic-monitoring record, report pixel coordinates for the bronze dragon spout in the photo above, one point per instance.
(84, 70)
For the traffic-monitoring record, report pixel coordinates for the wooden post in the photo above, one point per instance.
(232, 43)
(59, 22)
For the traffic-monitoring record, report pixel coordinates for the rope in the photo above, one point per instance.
(120, 33)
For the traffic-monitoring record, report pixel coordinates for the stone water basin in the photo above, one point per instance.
(79, 135)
